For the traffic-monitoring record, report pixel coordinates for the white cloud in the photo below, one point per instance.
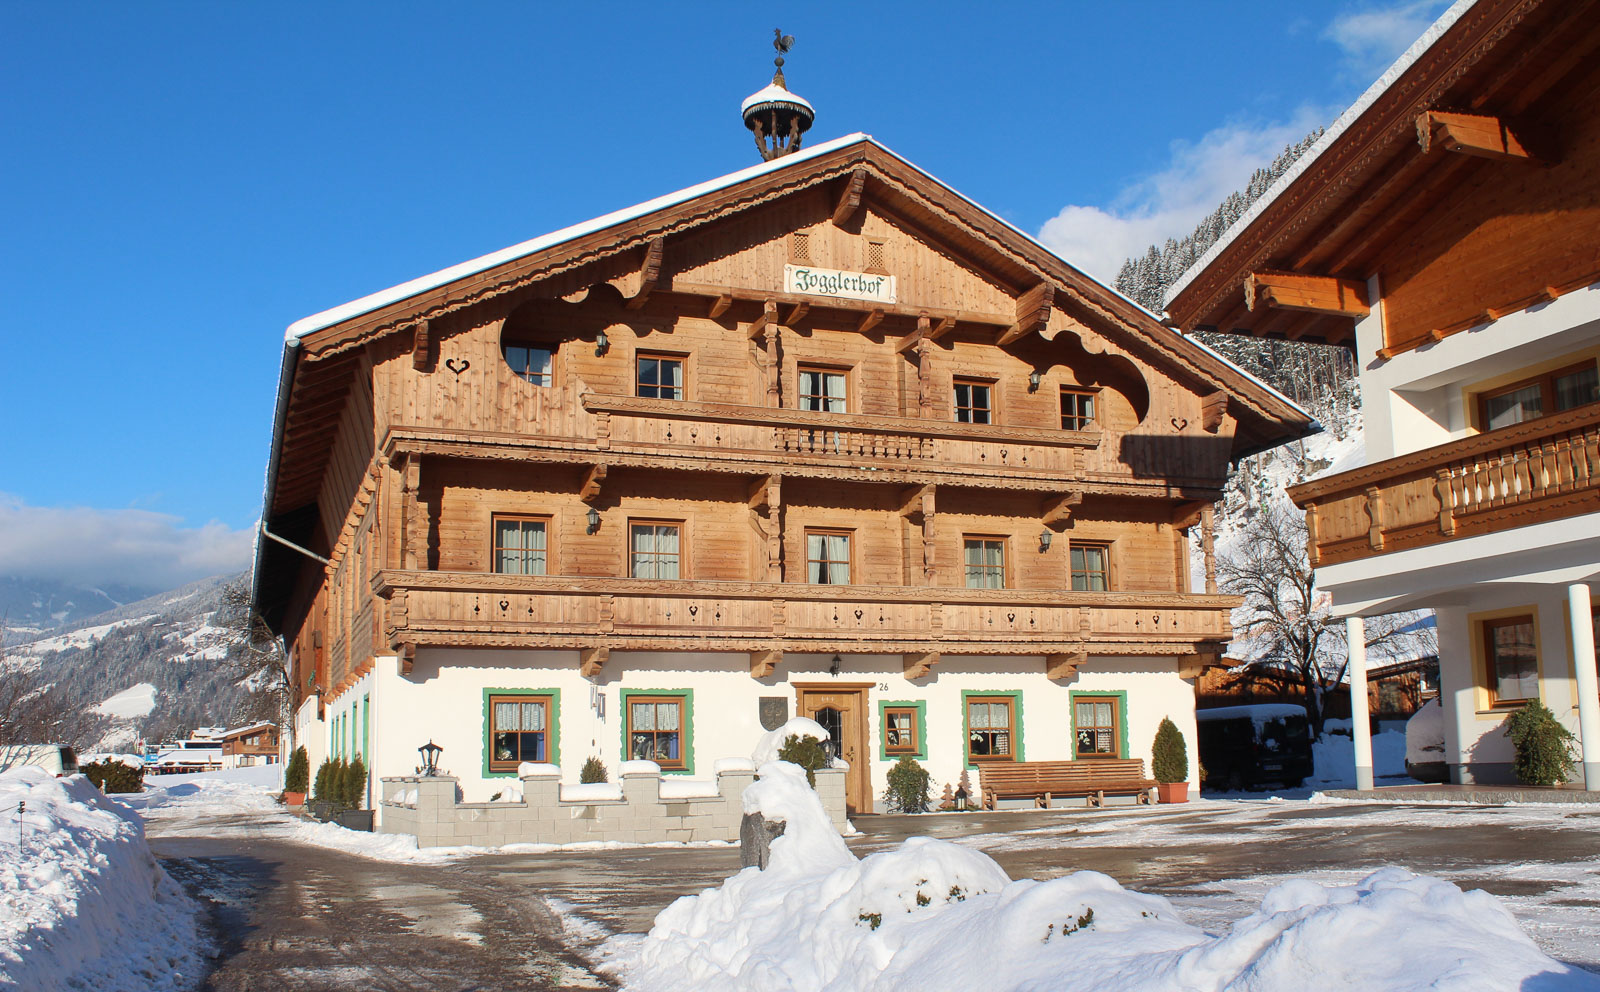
(1169, 203)
(92, 547)
(1374, 36)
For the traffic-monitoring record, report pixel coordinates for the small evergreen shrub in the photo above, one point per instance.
(298, 770)
(1169, 756)
(355, 783)
(114, 776)
(594, 770)
(1544, 747)
(908, 787)
(329, 781)
(807, 752)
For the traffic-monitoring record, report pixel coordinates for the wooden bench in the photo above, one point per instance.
(1089, 778)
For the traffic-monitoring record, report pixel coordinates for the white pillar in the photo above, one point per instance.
(1583, 669)
(1360, 717)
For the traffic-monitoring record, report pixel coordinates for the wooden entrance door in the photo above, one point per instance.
(842, 711)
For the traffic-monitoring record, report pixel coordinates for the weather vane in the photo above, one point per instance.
(774, 115)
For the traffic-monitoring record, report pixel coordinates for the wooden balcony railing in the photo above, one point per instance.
(1527, 473)
(488, 610)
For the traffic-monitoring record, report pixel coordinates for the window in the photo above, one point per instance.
(656, 550)
(655, 730)
(1511, 660)
(985, 562)
(824, 390)
(1094, 722)
(530, 361)
(900, 730)
(1553, 392)
(973, 404)
(660, 376)
(1077, 409)
(828, 557)
(1091, 566)
(519, 730)
(800, 247)
(990, 722)
(520, 545)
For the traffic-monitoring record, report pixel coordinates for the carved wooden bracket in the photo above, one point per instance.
(1213, 406)
(920, 663)
(720, 305)
(590, 660)
(1064, 666)
(850, 198)
(911, 499)
(1310, 293)
(589, 491)
(408, 657)
(869, 320)
(1192, 666)
(1033, 313)
(421, 347)
(1188, 514)
(1483, 136)
(797, 313)
(769, 315)
(1056, 511)
(762, 663)
(649, 273)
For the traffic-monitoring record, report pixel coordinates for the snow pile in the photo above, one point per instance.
(83, 903)
(1334, 758)
(771, 742)
(1425, 734)
(934, 915)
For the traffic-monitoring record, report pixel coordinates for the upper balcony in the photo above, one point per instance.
(1532, 472)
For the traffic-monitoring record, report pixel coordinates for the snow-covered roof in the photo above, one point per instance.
(1335, 131)
(422, 284)
(259, 725)
(773, 93)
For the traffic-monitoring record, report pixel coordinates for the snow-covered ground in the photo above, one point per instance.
(134, 701)
(932, 914)
(83, 903)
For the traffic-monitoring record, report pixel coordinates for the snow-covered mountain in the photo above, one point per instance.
(35, 605)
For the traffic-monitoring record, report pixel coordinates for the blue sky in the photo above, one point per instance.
(184, 180)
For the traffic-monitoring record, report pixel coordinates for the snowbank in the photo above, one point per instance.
(1425, 734)
(83, 902)
(934, 915)
(1335, 759)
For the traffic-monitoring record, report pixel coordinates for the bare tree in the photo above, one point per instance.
(34, 711)
(263, 662)
(1286, 625)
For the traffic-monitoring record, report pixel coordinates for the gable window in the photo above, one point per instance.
(532, 362)
(990, 728)
(656, 549)
(1511, 660)
(520, 545)
(823, 390)
(1094, 722)
(655, 730)
(1540, 396)
(985, 562)
(900, 730)
(519, 730)
(660, 376)
(1077, 409)
(828, 557)
(973, 402)
(1091, 566)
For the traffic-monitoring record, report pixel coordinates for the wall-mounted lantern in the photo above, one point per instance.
(1044, 540)
(601, 343)
(1034, 378)
(594, 519)
(833, 667)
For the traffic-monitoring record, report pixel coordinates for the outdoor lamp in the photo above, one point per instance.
(430, 758)
(594, 519)
(1044, 540)
(601, 343)
(833, 667)
(1034, 378)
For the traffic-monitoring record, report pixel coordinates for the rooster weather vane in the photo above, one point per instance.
(777, 119)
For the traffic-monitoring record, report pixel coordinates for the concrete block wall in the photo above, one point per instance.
(641, 816)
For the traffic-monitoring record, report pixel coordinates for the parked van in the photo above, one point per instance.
(1243, 747)
(57, 759)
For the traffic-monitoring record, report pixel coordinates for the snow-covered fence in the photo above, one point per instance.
(643, 808)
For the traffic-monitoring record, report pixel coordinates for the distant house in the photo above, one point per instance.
(200, 752)
(1447, 230)
(256, 744)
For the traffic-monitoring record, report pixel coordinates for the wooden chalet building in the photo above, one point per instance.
(1447, 228)
(820, 437)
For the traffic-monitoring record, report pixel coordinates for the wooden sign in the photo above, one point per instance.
(812, 281)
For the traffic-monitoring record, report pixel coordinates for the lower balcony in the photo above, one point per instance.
(1528, 473)
(766, 619)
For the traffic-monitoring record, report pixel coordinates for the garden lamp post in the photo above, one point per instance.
(430, 758)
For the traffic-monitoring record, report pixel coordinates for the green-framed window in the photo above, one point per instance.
(902, 730)
(992, 725)
(1099, 724)
(520, 725)
(658, 725)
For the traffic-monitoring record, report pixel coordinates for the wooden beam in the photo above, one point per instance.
(1064, 666)
(869, 320)
(589, 491)
(911, 499)
(797, 313)
(421, 347)
(1480, 135)
(769, 315)
(1192, 666)
(649, 273)
(762, 663)
(1056, 511)
(590, 660)
(849, 198)
(1188, 514)
(1213, 406)
(1297, 291)
(720, 305)
(1033, 312)
(919, 664)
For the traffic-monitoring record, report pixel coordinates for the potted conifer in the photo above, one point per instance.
(1170, 763)
(295, 778)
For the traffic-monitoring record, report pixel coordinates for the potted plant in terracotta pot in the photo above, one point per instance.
(1170, 763)
(296, 776)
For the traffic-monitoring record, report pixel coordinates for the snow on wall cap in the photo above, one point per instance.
(773, 93)
(1333, 133)
(394, 294)
(1255, 711)
(640, 768)
(538, 769)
